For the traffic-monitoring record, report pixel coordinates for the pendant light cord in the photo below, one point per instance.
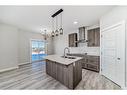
(61, 20)
(56, 23)
(52, 24)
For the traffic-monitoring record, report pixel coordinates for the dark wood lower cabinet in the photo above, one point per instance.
(69, 75)
(89, 62)
(93, 63)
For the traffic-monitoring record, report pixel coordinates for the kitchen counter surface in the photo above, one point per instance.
(83, 54)
(61, 60)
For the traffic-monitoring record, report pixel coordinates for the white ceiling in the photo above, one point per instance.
(35, 18)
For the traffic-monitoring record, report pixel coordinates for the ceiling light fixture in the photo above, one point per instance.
(61, 26)
(75, 22)
(45, 37)
(56, 32)
(59, 30)
(45, 33)
(52, 33)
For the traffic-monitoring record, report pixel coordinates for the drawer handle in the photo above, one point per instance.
(118, 58)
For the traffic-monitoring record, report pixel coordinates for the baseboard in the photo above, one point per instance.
(37, 61)
(124, 88)
(8, 69)
(24, 63)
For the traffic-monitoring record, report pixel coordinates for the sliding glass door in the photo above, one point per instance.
(38, 50)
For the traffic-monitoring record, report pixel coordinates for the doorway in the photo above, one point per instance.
(113, 53)
(38, 50)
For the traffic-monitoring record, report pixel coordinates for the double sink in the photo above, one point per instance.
(68, 57)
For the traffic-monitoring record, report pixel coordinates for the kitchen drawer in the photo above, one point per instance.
(92, 62)
(84, 60)
(92, 67)
(84, 65)
(93, 59)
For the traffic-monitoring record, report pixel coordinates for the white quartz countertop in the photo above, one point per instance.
(64, 61)
(90, 54)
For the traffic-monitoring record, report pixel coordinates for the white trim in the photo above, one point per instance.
(92, 27)
(8, 69)
(124, 88)
(100, 52)
(107, 28)
(36, 39)
(125, 58)
(24, 63)
(114, 25)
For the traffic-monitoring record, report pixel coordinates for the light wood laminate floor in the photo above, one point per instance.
(33, 76)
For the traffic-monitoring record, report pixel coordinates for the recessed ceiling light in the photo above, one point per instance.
(75, 22)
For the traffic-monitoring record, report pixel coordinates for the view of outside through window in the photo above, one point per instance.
(38, 50)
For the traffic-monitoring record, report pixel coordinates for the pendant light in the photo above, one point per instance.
(45, 37)
(61, 29)
(56, 32)
(52, 33)
(55, 29)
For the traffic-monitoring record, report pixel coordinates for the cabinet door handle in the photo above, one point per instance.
(118, 58)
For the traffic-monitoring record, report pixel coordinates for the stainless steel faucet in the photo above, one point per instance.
(65, 51)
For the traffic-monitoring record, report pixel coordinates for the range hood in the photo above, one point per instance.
(82, 34)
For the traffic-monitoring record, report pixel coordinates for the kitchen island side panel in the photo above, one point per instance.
(69, 75)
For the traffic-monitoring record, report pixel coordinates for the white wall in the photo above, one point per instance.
(8, 47)
(61, 42)
(24, 45)
(50, 49)
(15, 46)
(114, 16)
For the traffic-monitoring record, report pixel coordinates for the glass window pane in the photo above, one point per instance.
(38, 50)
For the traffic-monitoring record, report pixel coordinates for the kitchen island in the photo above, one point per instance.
(67, 70)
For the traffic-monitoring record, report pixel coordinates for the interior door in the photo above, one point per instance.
(113, 53)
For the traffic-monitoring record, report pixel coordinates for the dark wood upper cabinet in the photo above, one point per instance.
(81, 33)
(72, 40)
(93, 37)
